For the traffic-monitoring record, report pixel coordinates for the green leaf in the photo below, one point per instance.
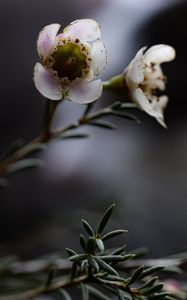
(153, 289)
(71, 252)
(91, 245)
(149, 283)
(103, 265)
(113, 234)
(104, 219)
(126, 115)
(64, 294)
(51, 274)
(112, 258)
(75, 269)
(173, 269)
(119, 250)
(139, 252)
(128, 257)
(93, 263)
(38, 147)
(12, 148)
(103, 124)
(100, 245)
(97, 293)
(78, 257)
(82, 241)
(118, 105)
(24, 164)
(73, 136)
(85, 292)
(115, 278)
(88, 228)
(168, 297)
(136, 275)
(127, 296)
(83, 266)
(162, 295)
(125, 105)
(120, 294)
(151, 270)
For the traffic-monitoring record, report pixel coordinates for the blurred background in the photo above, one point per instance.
(142, 167)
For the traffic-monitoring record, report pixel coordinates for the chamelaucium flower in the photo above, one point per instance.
(144, 78)
(71, 61)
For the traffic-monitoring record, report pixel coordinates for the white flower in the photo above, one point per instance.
(144, 77)
(70, 62)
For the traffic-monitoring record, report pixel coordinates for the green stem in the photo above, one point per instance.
(48, 135)
(43, 137)
(116, 84)
(58, 283)
(48, 115)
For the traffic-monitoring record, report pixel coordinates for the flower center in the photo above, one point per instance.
(69, 61)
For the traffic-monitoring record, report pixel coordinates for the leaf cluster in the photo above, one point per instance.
(101, 267)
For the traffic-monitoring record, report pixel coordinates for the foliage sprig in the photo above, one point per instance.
(97, 272)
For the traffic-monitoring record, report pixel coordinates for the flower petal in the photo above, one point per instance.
(99, 57)
(159, 54)
(160, 105)
(142, 101)
(83, 92)
(46, 39)
(83, 29)
(46, 84)
(136, 69)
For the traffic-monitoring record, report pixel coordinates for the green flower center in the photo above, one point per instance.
(69, 61)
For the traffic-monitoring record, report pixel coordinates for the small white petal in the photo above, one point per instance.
(163, 101)
(99, 57)
(136, 70)
(142, 101)
(161, 121)
(46, 39)
(83, 29)
(160, 105)
(46, 84)
(83, 92)
(159, 54)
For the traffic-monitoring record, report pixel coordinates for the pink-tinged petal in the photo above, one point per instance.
(159, 54)
(135, 72)
(46, 39)
(84, 29)
(99, 57)
(46, 84)
(142, 101)
(83, 92)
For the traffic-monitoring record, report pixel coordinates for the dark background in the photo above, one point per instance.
(142, 168)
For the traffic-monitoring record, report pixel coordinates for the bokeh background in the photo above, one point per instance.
(143, 168)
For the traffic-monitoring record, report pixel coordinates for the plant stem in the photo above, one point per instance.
(58, 283)
(116, 84)
(46, 135)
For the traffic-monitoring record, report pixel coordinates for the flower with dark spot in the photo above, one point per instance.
(70, 62)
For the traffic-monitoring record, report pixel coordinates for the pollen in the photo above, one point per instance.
(69, 61)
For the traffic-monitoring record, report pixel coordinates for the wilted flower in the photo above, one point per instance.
(144, 77)
(70, 62)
